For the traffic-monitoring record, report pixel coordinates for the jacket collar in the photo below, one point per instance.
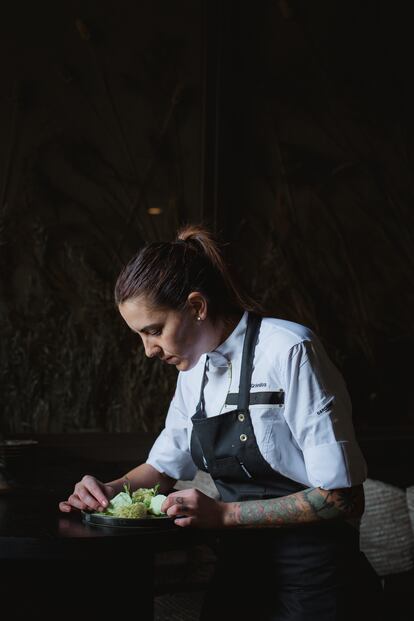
(228, 350)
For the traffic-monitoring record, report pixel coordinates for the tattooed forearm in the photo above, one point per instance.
(311, 505)
(326, 505)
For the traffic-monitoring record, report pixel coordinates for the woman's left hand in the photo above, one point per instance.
(196, 508)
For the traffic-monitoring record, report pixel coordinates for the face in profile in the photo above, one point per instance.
(176, 337)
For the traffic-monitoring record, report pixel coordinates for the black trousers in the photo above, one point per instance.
(307, 573)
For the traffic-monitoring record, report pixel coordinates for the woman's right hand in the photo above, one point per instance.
(89, 494)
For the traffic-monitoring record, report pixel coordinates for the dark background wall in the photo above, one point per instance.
(317, 184)
(286, 125)
(100, 122)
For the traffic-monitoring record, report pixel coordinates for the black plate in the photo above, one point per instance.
(96, 519)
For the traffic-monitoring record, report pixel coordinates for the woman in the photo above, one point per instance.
(259, 406)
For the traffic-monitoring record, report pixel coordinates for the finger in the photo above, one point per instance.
(65, 506)
(178, 510)
(89, 500)
(93, 487)
(82, 493)
(183, 495)
(187, 521)
(76, 502)
(170, 501)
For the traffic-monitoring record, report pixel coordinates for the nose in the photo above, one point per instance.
(151, 350)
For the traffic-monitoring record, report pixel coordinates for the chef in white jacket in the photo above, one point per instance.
(261, 408)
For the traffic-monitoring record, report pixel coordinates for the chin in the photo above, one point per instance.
(185, 365)
(188, 363)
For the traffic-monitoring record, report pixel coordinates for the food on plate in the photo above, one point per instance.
(145, 502)
(136, 510)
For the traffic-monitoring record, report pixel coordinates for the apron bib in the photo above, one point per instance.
(226, 447)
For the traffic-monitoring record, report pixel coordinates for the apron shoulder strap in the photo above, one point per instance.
(201, 408)
(249, 344)
(250, 339)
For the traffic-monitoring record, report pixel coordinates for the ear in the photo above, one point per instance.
(197, 304)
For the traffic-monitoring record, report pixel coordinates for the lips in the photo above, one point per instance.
(169, 359)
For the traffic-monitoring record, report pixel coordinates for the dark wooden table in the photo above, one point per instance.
(54, 564)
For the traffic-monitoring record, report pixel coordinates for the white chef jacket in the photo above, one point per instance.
(310, 438)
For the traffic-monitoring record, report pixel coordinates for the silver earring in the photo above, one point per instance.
(198, 318)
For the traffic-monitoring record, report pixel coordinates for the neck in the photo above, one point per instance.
(227, 326)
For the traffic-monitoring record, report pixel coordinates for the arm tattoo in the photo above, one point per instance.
(311, 505)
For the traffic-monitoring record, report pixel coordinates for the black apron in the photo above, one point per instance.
(305, 572)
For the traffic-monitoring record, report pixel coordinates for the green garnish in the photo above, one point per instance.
(143, 502)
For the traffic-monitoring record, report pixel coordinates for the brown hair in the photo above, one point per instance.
(167, 272)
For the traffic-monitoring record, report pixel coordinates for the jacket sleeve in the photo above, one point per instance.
(318, 412)
(170, 452)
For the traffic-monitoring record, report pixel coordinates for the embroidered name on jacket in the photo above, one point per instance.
(261, 385)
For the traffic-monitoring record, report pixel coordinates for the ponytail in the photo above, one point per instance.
(165, 273)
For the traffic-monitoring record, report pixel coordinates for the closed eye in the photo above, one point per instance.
(151, 330)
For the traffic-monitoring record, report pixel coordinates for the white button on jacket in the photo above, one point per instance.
(309, 439)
